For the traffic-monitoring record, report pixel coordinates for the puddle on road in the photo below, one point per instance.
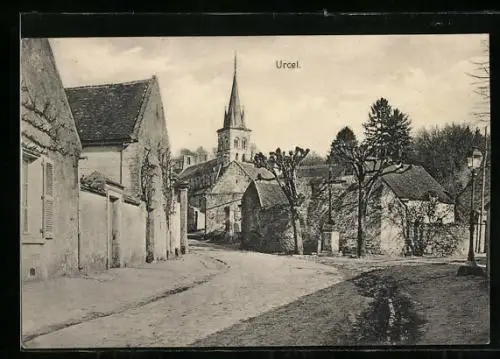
(391, 318)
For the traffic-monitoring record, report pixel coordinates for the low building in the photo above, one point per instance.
(50, 149)
(266, 222)
(400, 202)
(402, 209)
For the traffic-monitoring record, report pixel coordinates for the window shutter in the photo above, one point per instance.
(48, 199)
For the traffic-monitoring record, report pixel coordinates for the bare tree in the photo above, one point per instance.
(166, 163)
(148, 176)
(283, 166)
(481, 83)
(367, 170)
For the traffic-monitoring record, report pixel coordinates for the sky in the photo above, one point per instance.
(339, 78)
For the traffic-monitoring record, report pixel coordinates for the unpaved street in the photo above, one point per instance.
(252, 284)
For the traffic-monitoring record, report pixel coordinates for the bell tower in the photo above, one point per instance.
(234, 136)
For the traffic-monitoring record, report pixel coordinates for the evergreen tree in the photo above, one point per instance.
(388, 130)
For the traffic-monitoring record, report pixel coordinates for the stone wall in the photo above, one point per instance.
(277, 230)
(265, 230)
(93, 230)
(133, 234)
(216, 212)
(344, 214)
(393, 239)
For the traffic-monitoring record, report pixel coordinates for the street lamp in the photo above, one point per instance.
(473, 162)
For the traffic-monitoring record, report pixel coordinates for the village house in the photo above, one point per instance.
(266, 222)
(217, 186)
(50, 149)
(398, 202)
(125, 152)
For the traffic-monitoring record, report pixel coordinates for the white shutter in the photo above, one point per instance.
(48, 199)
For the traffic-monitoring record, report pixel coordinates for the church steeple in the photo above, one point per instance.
(234, 117)
(234, 136)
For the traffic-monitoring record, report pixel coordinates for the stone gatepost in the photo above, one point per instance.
(183, 188)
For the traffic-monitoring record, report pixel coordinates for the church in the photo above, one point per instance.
(216, 186)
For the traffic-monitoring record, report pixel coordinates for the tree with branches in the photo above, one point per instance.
(368, 159)
(481, 83)
(283, 167)
(44, 117)
(148, 179)
(166, 163)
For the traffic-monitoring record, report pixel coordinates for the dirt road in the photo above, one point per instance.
(252, 284)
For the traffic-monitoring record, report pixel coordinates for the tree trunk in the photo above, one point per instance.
(297, 233)
(361, 223)
(150, 248)
(169, 238)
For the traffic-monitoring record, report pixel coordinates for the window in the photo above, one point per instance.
(24, 194)
(243, 157)
(188, 160)
(244, 144)
(236, 157)
(48, 200)
(236, 142)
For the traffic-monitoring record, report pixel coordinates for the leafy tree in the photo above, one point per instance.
(201, 154)
(283, 166)
(443, 152)
(386, 142)
(312, 159)
(186, 152)
(387, 129)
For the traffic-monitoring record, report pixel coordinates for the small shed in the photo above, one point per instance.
(266, 220)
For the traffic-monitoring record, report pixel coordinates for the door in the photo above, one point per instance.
(115, 232)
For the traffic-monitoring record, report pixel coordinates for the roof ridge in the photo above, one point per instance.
(142, 109)
(109, 84)
(244, 170)
(258, 193)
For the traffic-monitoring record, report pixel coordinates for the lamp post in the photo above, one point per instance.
(473, 162)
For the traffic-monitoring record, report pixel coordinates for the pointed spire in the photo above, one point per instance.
(235, 63)
(234, 116)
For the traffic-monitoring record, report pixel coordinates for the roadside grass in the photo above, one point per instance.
(432, 306)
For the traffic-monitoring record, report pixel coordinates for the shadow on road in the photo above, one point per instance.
(422, 304)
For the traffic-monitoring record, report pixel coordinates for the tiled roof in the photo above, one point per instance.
(96, 181)
(270, 194)
(200, 169)
(254, 172)
(107, 112)
(415, 183)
